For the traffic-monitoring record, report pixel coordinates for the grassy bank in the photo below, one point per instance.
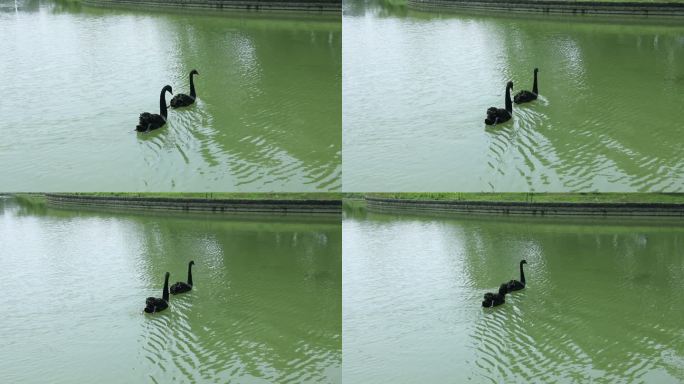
(612, 8)
(31, 198)
(220, 195)
(649, 198)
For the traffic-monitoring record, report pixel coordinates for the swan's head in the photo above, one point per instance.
(191, 262)
(167, 275)
(167, 88)
(509, 85)
(523, 261)
(194, 72)
(503, 289)
(536, 70)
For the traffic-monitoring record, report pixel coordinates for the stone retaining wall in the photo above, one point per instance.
(558, 7)
(525, 209)
(219, 206)
(308, 6)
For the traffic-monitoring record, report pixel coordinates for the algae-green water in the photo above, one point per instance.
(416, 87)
(265, 306)
(603, 301)
(76, 78)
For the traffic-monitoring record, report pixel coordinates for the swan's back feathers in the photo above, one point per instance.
(155, 304)
(180, 287)
(493, 300)
(182, 100)
(524, 97)
(149, 121)
(514, 285)
(497, 115)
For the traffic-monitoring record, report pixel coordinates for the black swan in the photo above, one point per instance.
(497, 115)
(155, 304)
(526, 96)
(149, 121)
(494, 299)
(183, 100)
(515, 285)
(181, 287)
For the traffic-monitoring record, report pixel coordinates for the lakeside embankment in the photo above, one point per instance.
(611, 8)
(271, 6)
(253, 204)
(523, 204)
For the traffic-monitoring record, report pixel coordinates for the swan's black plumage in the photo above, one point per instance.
(494, 299)
(155, 304)
(181, 287)
(515, 285)
(526, 96)
(498, 115)
(149, 121)
(183, 100)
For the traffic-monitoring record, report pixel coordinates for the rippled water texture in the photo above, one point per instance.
(417, 85)
(266, 305)
(603, 301)
(75, 80)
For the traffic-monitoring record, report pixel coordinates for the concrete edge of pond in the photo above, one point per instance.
(216, 206)
(321, 7)
(374, 204)
(555, 7)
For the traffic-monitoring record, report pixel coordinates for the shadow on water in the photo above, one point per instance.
(379, 8)
(354, 208)
(265, 305)
(586, 343)
(259, 122)
(584, 133)
(601, 300)
(20, 6)
(244, 318)
(538, 150)
(238, 134)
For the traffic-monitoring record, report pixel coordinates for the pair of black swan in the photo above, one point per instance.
(494, 299)
(156, 304)
(499, 115)
(150, 121)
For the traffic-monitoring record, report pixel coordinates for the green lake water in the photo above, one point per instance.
(603, 300)
(416, 87)
(265, 307)
(267, 116)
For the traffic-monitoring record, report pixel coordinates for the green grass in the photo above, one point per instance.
(353, 195)
(221, 195)
(651, 198)
(32, 198)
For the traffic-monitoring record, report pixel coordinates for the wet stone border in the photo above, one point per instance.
(525, 209)
(555, 7)
(306, 6)
(218, 206)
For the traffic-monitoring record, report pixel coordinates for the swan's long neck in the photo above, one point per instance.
(192, 86)
(162, 103)
(190, 274)
(509, 105)
(522, 274)
(535, 90)
(165, 293)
